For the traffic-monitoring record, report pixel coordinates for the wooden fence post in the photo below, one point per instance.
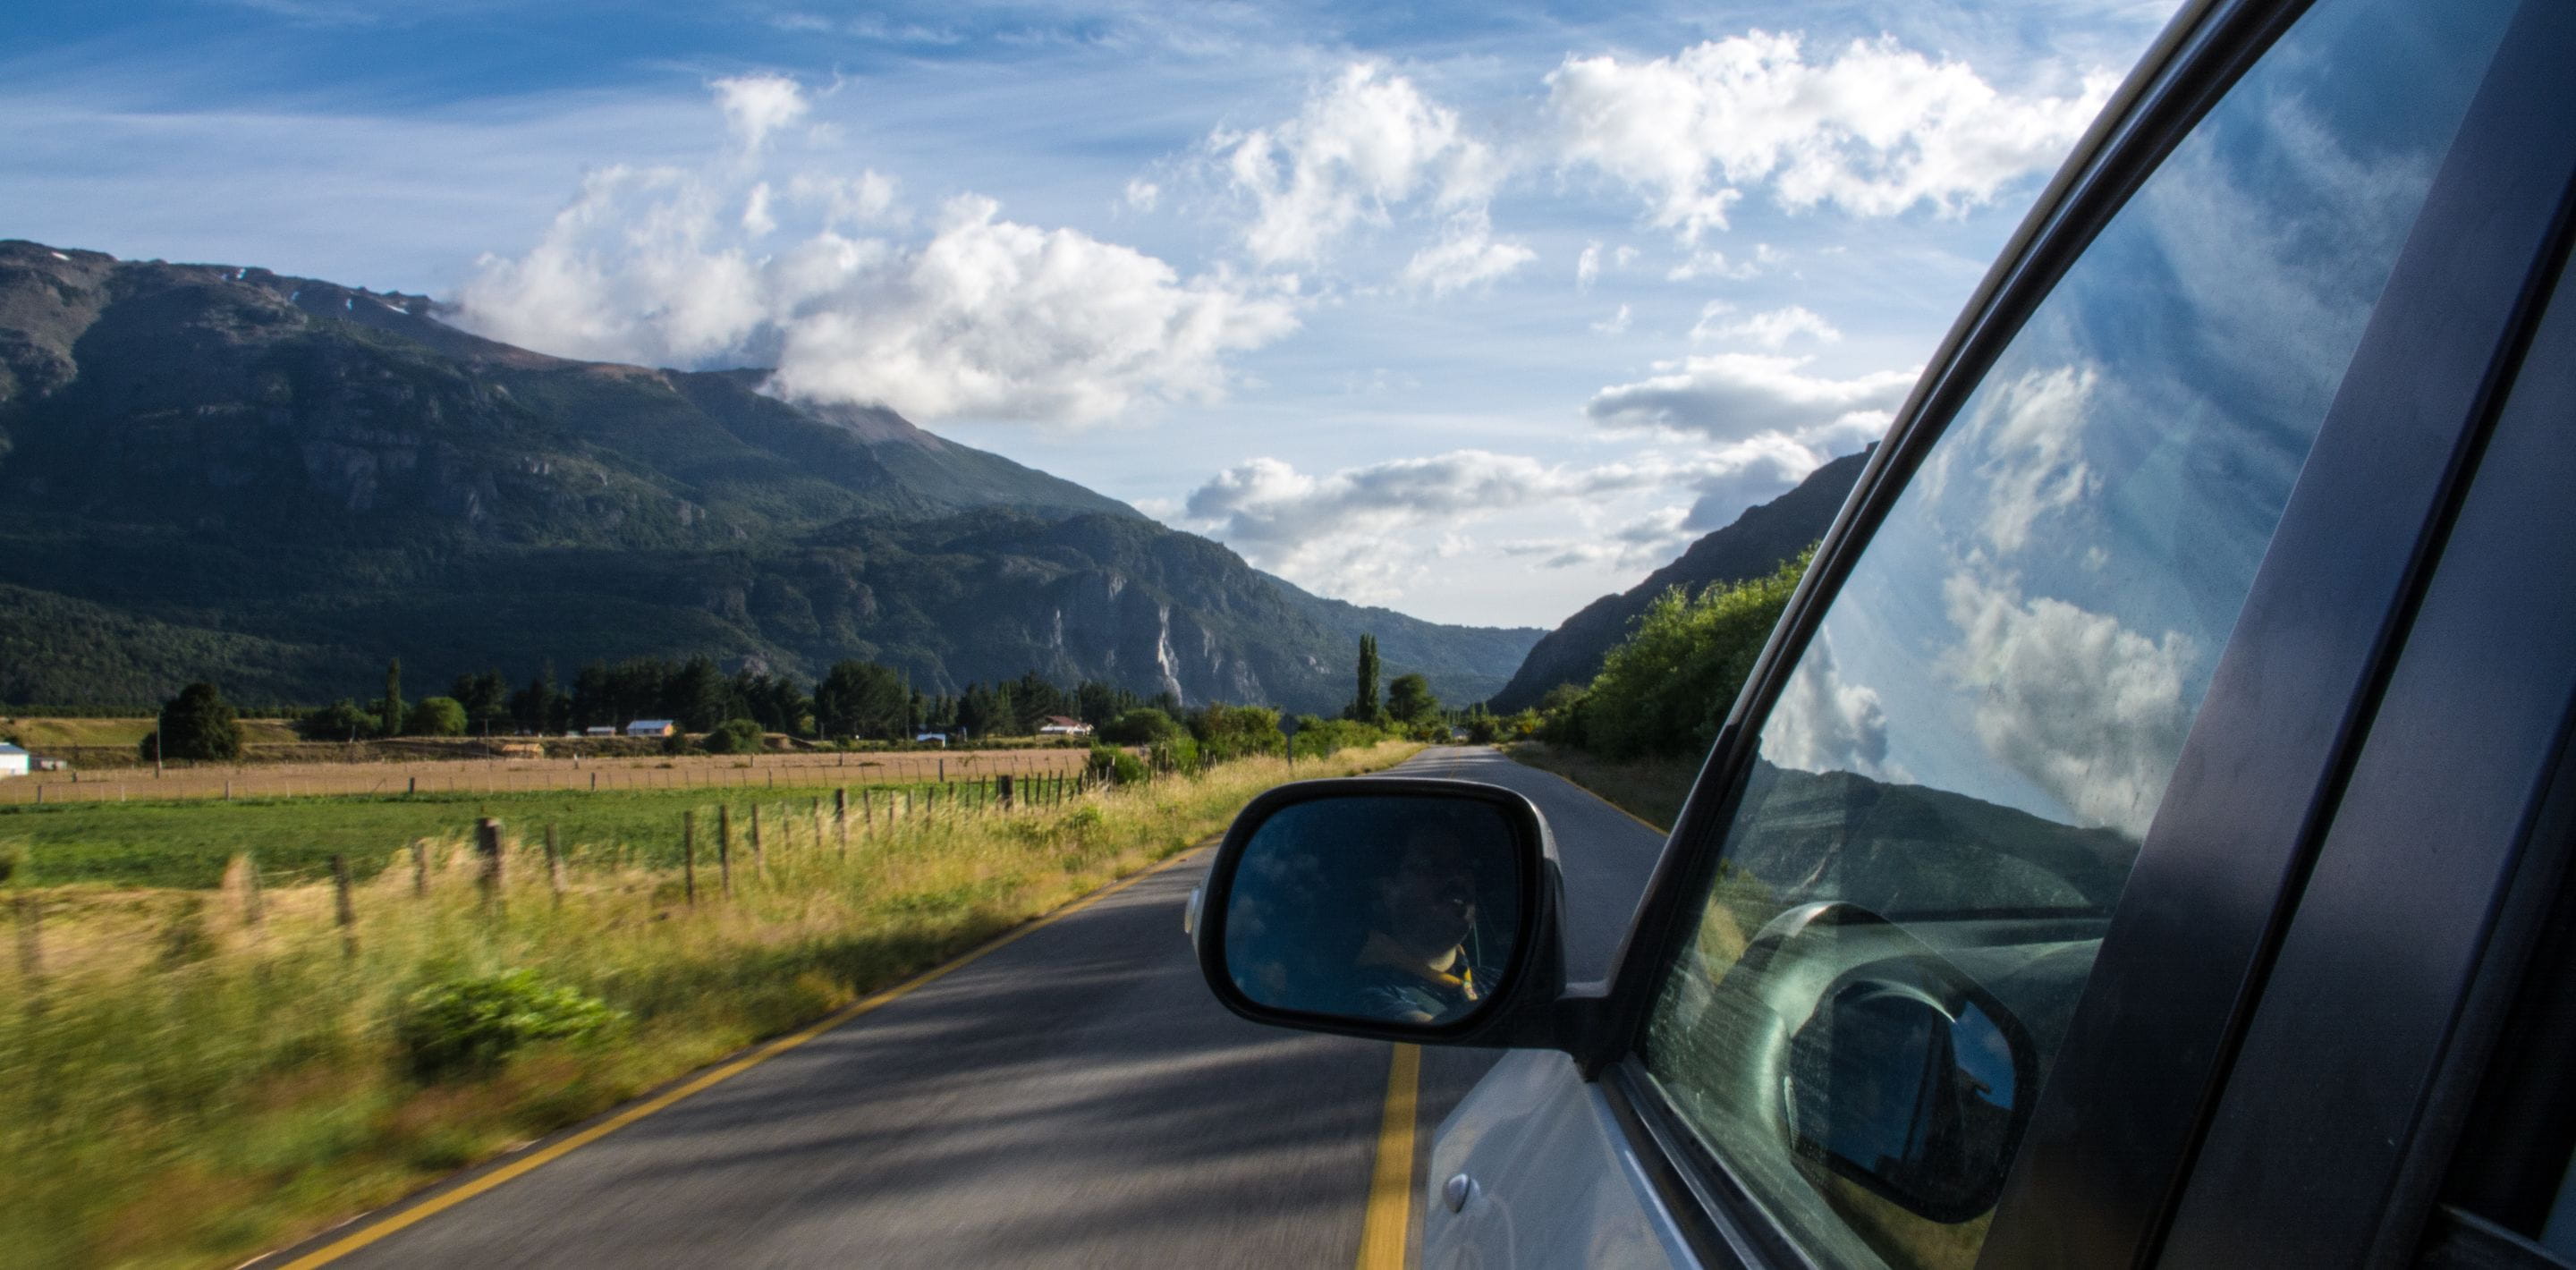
(1002, 790)
(487, 843)
(724, 849)
(554, 866)
(841, 816)
(689, 856)
(759, 861)
(419, 869)
(345, 908)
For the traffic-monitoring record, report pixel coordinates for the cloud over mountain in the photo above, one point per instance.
(983, 318)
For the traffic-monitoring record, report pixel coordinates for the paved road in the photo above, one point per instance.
(1074, 1098)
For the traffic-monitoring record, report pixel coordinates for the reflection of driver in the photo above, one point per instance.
(1414, 966)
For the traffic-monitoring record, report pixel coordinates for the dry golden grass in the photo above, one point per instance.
(187, 1077)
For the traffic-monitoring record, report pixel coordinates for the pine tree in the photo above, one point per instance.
(1364, 707)
(390, 710)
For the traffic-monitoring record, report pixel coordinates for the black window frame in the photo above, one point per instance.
(2215, 886)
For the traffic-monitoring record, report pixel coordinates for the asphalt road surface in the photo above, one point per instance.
(1073, 1098)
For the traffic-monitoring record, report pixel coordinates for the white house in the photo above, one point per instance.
(652, 727)
(1058, 725)
(13, 761)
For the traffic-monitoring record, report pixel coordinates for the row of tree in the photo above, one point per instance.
(1666, 690)
(1409, 705)
(853, 699)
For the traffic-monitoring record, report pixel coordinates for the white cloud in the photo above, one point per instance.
(1364, 144)
(1754, 470)
(986, 318)
(1142, 194)
(1340, 532)
(1587, 267)
(1614, 324)
(1873, 130)
(1465, 256)
(1772, 330)
(756, 105)
(1825, 723)
(2088, 709)
(1732, 396)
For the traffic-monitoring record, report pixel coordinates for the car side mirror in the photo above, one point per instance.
(1399, 908)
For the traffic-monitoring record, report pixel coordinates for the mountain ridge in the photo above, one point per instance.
(219, 450)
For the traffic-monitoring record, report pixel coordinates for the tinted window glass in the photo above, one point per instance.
(1953, 785)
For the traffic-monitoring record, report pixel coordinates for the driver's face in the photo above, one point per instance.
(1431, 902)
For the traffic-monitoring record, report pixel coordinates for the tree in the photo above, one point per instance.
(389, 709)
(341, 720)
(197, 724)
(861, 698)
(1409, 699)
(1364, 707)
(698, 697)
(541, 707)
(1668, 688)
(485, 696)
(1143, 725)
(436, 716)
(734, 736)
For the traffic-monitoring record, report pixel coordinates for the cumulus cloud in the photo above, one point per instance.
(1732, 396)
(1826, 723)
(1873, 129)
(2088, 709)
(1614, 324)
(985, 317)
(757, 105)
(1365, 144)
(1772, 330)
(1587, 267)
(1337, 531)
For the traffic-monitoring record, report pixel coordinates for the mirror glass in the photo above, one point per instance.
(1383, 908)
(1909, 1095)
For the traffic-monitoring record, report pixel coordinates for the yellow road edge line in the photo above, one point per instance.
(1382, 1235)
(431, 1207)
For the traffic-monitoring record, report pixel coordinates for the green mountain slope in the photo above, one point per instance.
(336, 472)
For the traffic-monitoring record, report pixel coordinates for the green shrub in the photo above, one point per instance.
(436, 716)
(735, 736)
(196, 724)
(1667, 689)
(341, 720)
(468, 1026)
(1116, 766)
(1143, 725)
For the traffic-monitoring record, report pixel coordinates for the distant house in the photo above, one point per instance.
(933, 738)
(13, 761)
(599, 731)
(1058, 725)
(653, 727)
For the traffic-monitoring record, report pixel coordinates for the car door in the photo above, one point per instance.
(1971, 911)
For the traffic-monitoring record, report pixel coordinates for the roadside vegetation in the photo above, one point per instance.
(1636, 734)
(188, 1075)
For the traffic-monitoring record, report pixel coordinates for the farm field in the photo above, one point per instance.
(528, 775)
(195, 1074)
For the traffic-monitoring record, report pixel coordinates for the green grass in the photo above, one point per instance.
(189, 843)
(1651, 789)
(183, 1083)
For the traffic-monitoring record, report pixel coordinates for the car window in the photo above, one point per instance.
(1956, 778)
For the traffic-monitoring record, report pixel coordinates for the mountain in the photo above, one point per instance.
(1752, 546)
(221, 470)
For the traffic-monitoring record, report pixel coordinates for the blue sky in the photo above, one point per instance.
(1476, 312)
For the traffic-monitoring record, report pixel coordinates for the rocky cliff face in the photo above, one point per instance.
(219, 449)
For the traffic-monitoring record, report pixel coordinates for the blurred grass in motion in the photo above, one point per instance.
(188, 1076)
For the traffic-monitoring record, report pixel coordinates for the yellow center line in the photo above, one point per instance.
(435, 1205)
(1382, 1235)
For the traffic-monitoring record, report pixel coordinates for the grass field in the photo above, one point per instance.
(190, 1075)
(1651, 789)
(188, 844)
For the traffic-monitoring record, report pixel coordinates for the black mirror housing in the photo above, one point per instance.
(1394, 908)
